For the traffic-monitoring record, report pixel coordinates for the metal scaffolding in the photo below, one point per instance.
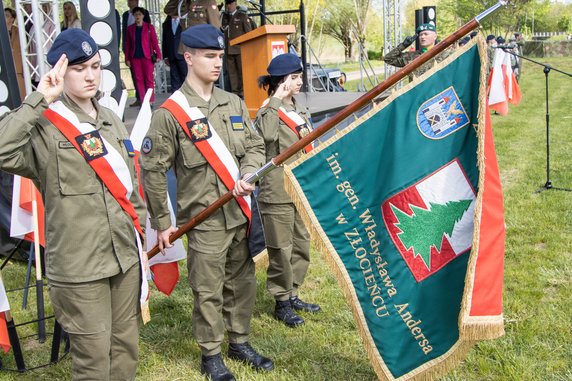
(41, 24)
(391, 29)
(156, 14)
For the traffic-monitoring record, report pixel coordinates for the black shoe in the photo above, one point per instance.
(214, 369)
(284, 312)
(245, 353)
(300, 305)
(137, 103)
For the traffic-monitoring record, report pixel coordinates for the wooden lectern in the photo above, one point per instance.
(257, 48)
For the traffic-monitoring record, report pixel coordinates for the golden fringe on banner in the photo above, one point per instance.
(474, 330)
(145, 312)
(479, 327)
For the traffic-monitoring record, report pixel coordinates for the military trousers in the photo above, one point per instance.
(102, 318)
(234, 67)
(288, 246)
(222, 277)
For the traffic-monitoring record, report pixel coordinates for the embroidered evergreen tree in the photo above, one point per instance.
(425, 228)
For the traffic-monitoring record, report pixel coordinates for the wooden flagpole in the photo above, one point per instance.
(38, 261)
(337, 118)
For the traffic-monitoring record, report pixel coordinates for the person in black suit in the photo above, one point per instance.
(169, 46)
(126, 20)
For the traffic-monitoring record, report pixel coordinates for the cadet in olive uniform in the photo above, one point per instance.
(221, 270)
(93, 265)
(235, 23)
(287, 240)
(427, 38)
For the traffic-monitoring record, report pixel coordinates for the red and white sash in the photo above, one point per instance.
(112, 169)
(213, 149)
(295, 122)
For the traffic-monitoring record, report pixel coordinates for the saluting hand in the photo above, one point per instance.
(409, 40)
(52, 83)
(283, 89)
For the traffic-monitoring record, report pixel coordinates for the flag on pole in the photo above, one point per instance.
(406, 206)
(503, 87)
(24, 195)
(4, 306)
(164, 268)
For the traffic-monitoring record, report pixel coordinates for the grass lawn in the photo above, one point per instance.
(537, 298)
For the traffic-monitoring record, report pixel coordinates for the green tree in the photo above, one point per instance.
(337, 21)
(502, 22)
(563, 23)
(425, 227)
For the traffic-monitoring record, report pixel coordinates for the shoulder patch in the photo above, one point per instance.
(147, 145)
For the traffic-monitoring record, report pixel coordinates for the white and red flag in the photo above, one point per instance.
(503, 87)
(24, 196)
(4, 306)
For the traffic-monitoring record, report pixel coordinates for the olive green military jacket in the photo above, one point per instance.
(397, 57)
(88, 235)
(198, 186)
(235, 25)
(277, 138)
(197, 11)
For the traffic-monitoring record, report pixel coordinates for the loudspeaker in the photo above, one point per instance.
(9, 92)
(418, 21)
(430, 15)
(99, 18)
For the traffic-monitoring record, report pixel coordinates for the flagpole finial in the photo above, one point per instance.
(492, 9)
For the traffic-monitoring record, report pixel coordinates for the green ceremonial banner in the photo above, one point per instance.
(395, 202)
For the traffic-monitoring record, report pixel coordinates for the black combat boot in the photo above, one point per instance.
(214, 369)
(245, 353)
(284, 312)
(300, 305)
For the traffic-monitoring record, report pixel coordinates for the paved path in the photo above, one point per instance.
(353, 75)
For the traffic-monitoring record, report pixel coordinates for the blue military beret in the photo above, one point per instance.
(426, 26)
(203, 36)
(284, 64)
(76, 44)
(490, 37)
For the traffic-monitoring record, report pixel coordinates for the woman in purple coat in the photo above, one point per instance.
(141, 52)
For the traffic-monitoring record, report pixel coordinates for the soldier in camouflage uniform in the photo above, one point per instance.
(427, 38)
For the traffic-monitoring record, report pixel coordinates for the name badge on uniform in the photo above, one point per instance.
(237, 124)
(65, 145)
(129, 147)
(91, 145)
(199, 129)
